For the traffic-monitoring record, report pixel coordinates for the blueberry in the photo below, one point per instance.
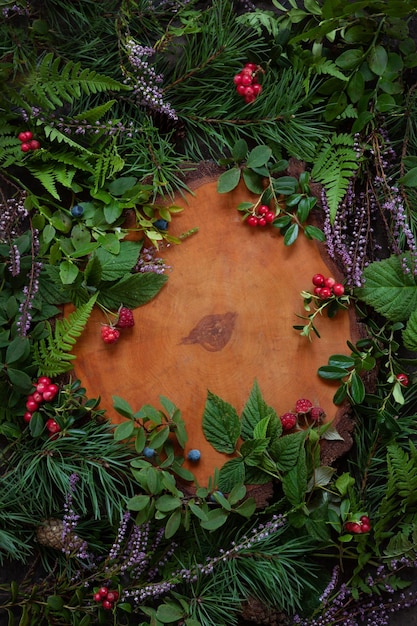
(77, 210)
(161, 224)
(148, 452)
(212, 498)
(194, 455)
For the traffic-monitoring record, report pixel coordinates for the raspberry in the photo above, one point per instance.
(125, 319)
(317, 413)
(194, 455)
(109, 334)
(303, 406)
(288, 420)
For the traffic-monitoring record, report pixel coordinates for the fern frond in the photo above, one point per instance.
(108, 163)
(93, 115)
(51, 174)
(53, 134)
(260, 21)
(51, 84)
(326, 66)
(52, 355)
(69, 158)
(334, 167)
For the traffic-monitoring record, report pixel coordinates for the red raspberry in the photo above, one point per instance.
(125, 319)
(317, 413)
(303, 406)
(288, 420)
(109, 334)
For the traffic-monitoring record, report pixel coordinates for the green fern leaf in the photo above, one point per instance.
(53, 134)
(51, 174)
(93, 115)
(334, 167)
(325, 66)
(107, 164)
(69, 158)
(52, 355)
(51, 84)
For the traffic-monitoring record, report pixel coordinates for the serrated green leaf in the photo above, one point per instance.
(134, 290)
(388, 289)
(231, 473)
(221, 425)
(409, 334)
(254, 412)
(114, 266)
(228, 180)
(294, 482)
(286, 450)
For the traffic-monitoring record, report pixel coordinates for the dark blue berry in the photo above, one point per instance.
(148, 452)
(161, 224)
(194, 455)
(77, 210)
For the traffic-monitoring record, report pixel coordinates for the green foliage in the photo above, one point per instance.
(52, 355)
(334, 166)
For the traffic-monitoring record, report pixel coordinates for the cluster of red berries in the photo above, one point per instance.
(106, 597)
(303, 408)
(360, 527)
(45, 391)
(28, 143)
(325, 288)
(110, 333)
(262, 217)
(246, 82)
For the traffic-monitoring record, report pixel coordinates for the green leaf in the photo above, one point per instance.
(17, 349)
(356, 87)
(286, 450)
(252, 181)
(114, 266)
(341, 360)
(409, 334)
(122, 406)
(349, 59)
(215, 519)
(231, 473)
(254, 411)
(409, 179)
(294, 482)
(229, 180)
(388, 289)
(313, 232)
(167, 503)
(134, 290)
(112, 211)
(169, 613)
(138, 503)
(291, 234)
(259, 156)
(240, 150)
(119, 186)
(173, 524)
(357, 389)
(247, 508)
(19, 379)
(237, 493)
(36, 425)
(285, 185)
(124, 431)
(56, 603)
(377, 60)
(158, 438)
(68, 272)
(329, 372)
(221, 424)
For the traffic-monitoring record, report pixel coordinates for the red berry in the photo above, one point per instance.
(52, 426)
(109, 334)
(317, 291)
(317, 413)
(97, 597)
(31, 405)
(249, 99)
(25, 147)
(325, 293)
(125, 319)
(44, 379)
(241, 90)
(25, 136)
(365, 528)
(329, 282)
(261, 221)
(270, 216)
(288, 420)
(246, 80)
(50, 392)
(256, 89)
(303, 405)
(402, 379)
(106, 604)
(237, 79)
(103, 591)
(353, 527)
(338, 289)
(27, 417)
(250, 66)
(263, 209)
(318, 280)
(38, 397)
(248, 91)
(365, 519)
(34, 144)
(252, 220)
(113, 596)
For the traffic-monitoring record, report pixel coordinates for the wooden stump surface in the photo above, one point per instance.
(224, 318)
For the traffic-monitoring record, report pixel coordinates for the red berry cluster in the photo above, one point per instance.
(325, 288)
(246, 82)
(28, 143)
(106, 597)
(109, 333)
(45, 391)
(262, 217)
(360, 527)
(303, 408)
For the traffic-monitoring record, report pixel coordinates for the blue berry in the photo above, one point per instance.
(212, 498)
(194, 455)
(161, 224)
(77, 210)
(148, 452)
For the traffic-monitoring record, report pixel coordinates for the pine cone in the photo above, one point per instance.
(51, 535)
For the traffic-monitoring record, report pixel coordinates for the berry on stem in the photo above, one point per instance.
(288, 421)
(303, 405)
(402, 379)
(125, 319)
(109, 334)
(338, 289)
